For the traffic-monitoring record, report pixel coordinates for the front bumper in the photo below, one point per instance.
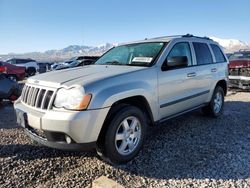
(242, 82)
(60, 145)
(82, 127)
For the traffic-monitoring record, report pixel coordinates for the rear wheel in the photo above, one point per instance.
(124, 136)
(216, 105)
(31, 71)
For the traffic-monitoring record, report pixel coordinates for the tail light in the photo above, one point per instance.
(228, 69)
(3, 69)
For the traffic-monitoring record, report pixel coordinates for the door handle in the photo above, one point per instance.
(192, 74)
(213, 70)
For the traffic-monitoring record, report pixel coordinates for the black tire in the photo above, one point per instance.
(31, 71)
(108, 148)
(210, 109)
(13, 77)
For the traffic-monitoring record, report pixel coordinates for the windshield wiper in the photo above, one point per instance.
(138, 64)
(113, 63)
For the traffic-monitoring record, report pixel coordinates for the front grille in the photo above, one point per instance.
(37, 97)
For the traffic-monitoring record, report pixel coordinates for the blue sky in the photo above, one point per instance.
(39, 25)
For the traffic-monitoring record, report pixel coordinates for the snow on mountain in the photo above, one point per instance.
(63, 54)
(231, 45)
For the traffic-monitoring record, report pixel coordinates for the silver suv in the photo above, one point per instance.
(109, 105)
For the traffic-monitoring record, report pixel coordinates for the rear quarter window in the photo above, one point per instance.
(202, 53)
(219, 57)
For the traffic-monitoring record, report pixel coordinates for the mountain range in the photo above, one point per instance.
(232, 45)
(61, 54)
(229, 45)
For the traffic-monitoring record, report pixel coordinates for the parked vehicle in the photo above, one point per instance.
(239, 70)
(109, 105)
(56, 66)
(31, 65)
(86, 60)
(13, 72)
(75, 62)
(8, 89)
(44, 67)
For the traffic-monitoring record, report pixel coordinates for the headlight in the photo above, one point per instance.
(72, 99)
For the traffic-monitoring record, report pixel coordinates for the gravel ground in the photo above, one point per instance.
(189, 151)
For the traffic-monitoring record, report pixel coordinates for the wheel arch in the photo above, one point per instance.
(223, 85)
(138, 101)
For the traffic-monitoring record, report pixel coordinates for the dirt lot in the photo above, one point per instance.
(189, 151)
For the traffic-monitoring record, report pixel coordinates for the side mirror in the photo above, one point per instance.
(175, 62)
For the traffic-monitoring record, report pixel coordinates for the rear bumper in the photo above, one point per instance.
(242, 82)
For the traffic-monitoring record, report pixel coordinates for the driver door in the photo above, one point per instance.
(177, 86)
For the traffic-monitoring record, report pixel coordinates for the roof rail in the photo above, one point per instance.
(190, 35)
(175, 36)
(169, 36)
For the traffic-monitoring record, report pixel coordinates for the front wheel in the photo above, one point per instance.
(216, 105)
(124, 136)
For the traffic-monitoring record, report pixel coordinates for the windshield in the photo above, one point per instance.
(238, 55)
(141, 54)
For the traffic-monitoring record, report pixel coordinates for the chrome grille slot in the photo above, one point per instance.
(30, 95)
(37, 97)
(26, 94)
(23, 91)
(40, 98)
(33, 100)
(47, 99)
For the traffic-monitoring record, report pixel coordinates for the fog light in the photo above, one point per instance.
(68, 139)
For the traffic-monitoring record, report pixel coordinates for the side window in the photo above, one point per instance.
(12, 61)
(219, 57)
(19, 61)
(22, 61)
(202, 53)
(181, 49)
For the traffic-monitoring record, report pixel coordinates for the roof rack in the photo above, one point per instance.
(190, 35)
(175, 36)
(169, 36)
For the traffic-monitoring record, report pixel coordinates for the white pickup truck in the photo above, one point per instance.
(31, 65)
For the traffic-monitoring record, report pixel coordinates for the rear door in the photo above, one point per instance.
(220, 62)
(205, 70)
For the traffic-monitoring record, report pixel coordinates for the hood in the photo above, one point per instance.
(243, 63)
(80, 75)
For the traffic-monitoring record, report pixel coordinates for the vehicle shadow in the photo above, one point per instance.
(195, 146)
(190, 146)
(29, 152)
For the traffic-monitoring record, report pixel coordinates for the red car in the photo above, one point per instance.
(13, 72)
(239, 69)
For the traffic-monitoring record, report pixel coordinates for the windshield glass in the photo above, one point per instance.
(141, 54)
